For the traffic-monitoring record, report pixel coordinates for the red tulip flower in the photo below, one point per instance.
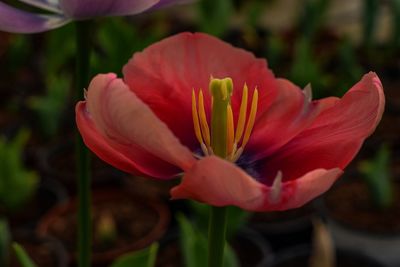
(279, 150)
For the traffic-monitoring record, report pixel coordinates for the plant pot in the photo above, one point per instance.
(285, 228)
(48, 194)
(299, 256)
(58, 162)
(251, 250)
(355, 223)
(44, 251)
(138, 223)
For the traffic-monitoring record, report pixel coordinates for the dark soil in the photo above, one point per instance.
(350, 203)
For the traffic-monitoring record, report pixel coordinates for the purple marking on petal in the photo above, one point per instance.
(84, 9)
(18, 21)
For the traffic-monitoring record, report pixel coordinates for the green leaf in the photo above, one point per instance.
(143, 258)
(22, 256)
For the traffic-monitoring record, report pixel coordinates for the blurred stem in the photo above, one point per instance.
(82, 153)
(216, 236)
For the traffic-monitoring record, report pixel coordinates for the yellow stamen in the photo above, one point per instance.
(203, 120)
(196, 119)
(231, 129)
(252, 118)
(242, 115)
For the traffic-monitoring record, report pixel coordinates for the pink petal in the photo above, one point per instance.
(131, 128)
(336, 135)
(217, 182)
(164, 74)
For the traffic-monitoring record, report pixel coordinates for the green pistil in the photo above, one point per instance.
(221, 91)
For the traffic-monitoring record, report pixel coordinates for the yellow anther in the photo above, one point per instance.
(203, 120)
(195, 116)
(242, 114)
(252, 118)
(231, 130)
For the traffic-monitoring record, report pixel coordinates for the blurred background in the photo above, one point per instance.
(328, 44)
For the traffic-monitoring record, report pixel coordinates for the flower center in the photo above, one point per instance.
(223, 140)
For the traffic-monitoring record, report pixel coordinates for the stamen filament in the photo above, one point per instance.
(231, 129)
(252, 118)
(195, 116)
(203, 120)
(242, 115)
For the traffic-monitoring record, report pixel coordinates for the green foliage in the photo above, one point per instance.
(16, 183)
(19, 53)
(194, 246)
(143, 258)
(254, 12)
(395, 8)
(118, 40)
(313, 17)
(235, 216)
(4, 242)
(59, 53)
(22, 256)
(377, 176)
(60, 49)
(306, 69)
(275, 49)
(214, 16)
(371, 8)
(49, 108)
(350, 68)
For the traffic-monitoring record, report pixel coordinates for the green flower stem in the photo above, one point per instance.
(221, 91)
(82, 153)
(216, 236)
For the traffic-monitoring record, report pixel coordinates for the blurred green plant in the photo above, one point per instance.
(313, 16)
(370, 15)
(50, 107)
(117, 39)
(17, 184)
(395, 8)
(214, 16)
(18, 53)
(349, 67)
(194, 246)
(274, 52)
(59, 50)
(306, 69)
(5, 239)
(255, 9)
(143, 258)
(236, 218)
(376, 174)
(22, 256)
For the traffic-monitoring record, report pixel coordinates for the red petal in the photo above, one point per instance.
(128, 126)
(164, 74)
(290, 113)
(335, 136)
(220, 183)
(143, 164)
